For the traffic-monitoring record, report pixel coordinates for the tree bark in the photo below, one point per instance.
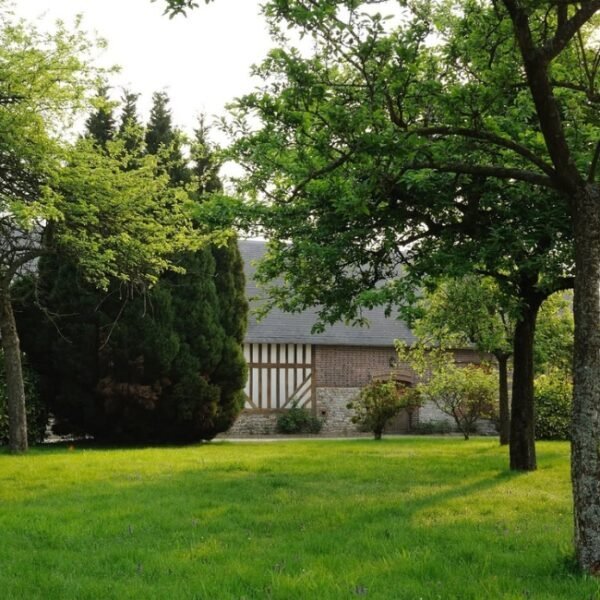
(522, 422)
(503, 398)
(17, 417)
(585, 445)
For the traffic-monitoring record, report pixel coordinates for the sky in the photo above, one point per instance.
(202, 61)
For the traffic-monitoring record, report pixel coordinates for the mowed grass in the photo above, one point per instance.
(405, 518)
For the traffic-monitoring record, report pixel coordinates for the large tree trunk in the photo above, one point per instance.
(17, 418)
(585, 447)
(522, 422)
(503, 398)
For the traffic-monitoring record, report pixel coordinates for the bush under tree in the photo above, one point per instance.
(298, 419)
(553, 398)
(380, 401)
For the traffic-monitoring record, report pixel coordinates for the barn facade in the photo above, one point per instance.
(322, 372)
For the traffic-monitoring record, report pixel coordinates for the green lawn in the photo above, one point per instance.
(404, 518)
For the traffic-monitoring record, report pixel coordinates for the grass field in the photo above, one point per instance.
(406, 518)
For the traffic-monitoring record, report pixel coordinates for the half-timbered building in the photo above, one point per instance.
(319, 371)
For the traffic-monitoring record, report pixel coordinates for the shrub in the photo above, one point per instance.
(433, 427)
(37, 415)
(466, 393)
(298, 420)
(553, 395)
(379, 401)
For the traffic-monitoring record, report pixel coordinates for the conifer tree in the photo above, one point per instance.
(165, 365)
(130, 129)
(100, 125)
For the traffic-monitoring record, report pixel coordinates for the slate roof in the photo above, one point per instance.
(282, 327)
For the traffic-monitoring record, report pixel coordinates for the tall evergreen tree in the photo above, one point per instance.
(100, 125)
(163, 366)
(205, 167)
(131, 131)
(160, 126)
(165, 141)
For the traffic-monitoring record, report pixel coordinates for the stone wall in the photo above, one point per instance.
(429, 412)
(249, 424)
(332, 407)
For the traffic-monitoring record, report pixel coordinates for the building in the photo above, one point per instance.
(320, 371)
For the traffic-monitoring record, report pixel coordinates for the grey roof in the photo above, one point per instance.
(280, 327)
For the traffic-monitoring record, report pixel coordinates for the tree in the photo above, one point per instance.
(163, 366)
(380, 401)
(130, 129)
(473, 311)
(100, 125)
(554, 336)
(335, 169)
(451, 114)
(70, 197)
(466, 393)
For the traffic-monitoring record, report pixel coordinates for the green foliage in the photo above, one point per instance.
(37, 415)
(553, 402)
(554, 335)
(379, 401)
(100, 125)
(138, 363)
(466, 393)
(155, 367)
(433, 427)
(297, 419)
(465, 311)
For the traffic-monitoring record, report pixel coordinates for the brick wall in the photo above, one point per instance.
(353, 366)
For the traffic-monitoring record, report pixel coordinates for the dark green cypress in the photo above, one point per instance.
(163, 366)
(100, 125)
(159, 131)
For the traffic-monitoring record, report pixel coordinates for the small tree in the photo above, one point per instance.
(379, 401)
(465, 393)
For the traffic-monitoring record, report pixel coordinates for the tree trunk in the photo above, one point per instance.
(585, 445)
(503, 398)
(17, 418)
(522, 422)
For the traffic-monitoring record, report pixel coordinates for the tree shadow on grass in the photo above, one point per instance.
(299, 526)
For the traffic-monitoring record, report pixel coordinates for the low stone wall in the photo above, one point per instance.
(332, 407)
(249, 424)
(429, 413)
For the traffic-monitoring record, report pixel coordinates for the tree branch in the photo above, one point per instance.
(494, 139)
(489, 171)
(567, 29)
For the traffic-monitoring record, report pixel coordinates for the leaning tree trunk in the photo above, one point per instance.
(522, 422)
(585, 446)
(503, 398)
(15, 390)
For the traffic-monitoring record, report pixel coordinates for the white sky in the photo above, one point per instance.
(202, 61)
